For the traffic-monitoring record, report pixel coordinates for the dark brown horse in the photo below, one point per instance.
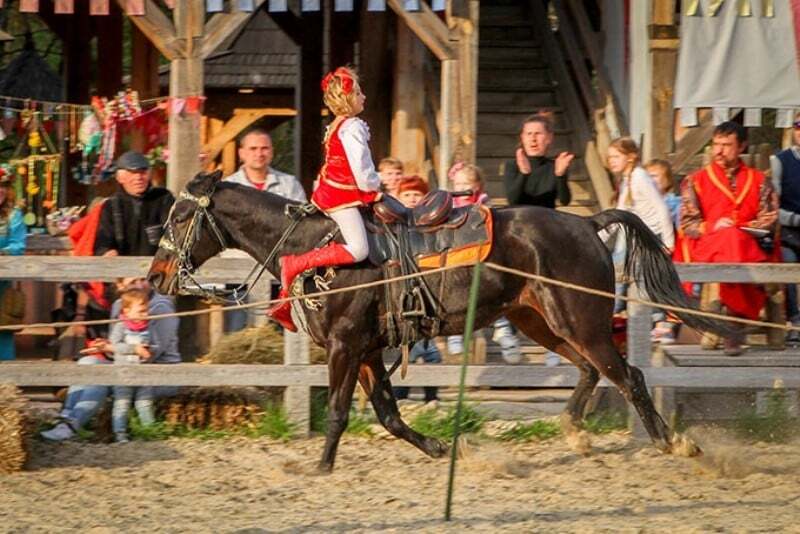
(351, 326)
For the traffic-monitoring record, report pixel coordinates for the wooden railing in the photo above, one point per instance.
(298, 376)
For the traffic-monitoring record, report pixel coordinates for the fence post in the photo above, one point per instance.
(639, 347)
(297, 399)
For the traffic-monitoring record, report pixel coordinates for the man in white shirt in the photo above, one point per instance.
(256, 154)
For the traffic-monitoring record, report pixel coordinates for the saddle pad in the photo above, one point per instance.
(467, 240)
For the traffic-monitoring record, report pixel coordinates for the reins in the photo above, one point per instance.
(187, 283)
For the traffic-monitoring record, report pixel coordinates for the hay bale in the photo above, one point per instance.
(14, 429)
(218, 408)
(258, 345)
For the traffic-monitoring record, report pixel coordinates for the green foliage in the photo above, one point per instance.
(359, 424)
(274, 423)
(606, 422)
(283, 147)
(541, 429)
(319, 410)
(775, 425)
(435, 424)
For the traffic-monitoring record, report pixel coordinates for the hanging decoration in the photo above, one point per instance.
(35, 166)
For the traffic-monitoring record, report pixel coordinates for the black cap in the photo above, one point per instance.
(132, 161)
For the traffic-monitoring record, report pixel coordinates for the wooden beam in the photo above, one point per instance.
(109, 52)
(291, 24)
(222, 25)
(193, 374)
(428, 27)
(158, 28)
(375, 70)
(466, 24)
(308, 102)
(241, 120)
(664, 12)
(408, 137)
(185, 80)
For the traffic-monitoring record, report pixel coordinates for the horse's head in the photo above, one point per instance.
(192, 235)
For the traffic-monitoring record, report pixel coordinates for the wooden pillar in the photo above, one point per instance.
(186, 80)
(450, 127)
(308, 102)
(408, 136)
(342, 37)
(375, 68)
(77, 60)
(144, 65)
(639, 347)
(464, 24)
(109, 52)
(664, 43)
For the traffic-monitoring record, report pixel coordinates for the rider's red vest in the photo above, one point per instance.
(337, 187)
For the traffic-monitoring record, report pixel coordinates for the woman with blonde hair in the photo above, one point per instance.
(346, 181)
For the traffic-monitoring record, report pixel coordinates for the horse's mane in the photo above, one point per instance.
(261, 201)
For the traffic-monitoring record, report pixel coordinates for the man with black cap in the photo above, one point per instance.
(132, 219)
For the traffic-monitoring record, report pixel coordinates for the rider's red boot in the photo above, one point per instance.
(282, 312)
(291, 266)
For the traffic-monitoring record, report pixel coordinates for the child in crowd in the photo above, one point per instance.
(468, 177)
(661, 172)
(347, 181)
(411, 190)
(132, 343)
(391, 172)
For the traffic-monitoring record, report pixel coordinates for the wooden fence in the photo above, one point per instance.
(298, 376)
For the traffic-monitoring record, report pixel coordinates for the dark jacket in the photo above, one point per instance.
(125, 219)
(539, 188)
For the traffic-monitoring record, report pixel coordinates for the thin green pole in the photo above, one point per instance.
(471, 306)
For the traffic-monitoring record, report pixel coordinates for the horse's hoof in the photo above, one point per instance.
(324, 468)
(437, 448)
(683, 445)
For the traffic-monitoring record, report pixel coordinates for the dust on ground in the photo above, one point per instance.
(261, 485)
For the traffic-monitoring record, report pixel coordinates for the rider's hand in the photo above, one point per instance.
(723, 222)
(562, 163)
(523, 164)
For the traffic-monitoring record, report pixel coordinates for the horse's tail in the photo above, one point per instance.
(647, 262)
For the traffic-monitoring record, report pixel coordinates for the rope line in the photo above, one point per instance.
(377, 283)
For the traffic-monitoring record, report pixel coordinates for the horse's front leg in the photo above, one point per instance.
(343, 374)
(374, 380)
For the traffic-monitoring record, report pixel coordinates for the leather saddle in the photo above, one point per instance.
(434, 233)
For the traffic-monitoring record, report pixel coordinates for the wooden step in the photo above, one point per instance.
(530, 79)
(492, 167)
(518, 44)
(510, 57)
(507, 34)
(500, 101)
(511, 12)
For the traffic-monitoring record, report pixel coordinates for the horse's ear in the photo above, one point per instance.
(216, 176)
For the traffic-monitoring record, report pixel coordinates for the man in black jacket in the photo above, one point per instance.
(132, 219)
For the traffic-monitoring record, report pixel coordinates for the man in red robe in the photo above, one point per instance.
(723, 208)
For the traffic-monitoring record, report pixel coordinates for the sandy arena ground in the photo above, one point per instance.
(259, 485)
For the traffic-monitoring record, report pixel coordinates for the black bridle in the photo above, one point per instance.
(187, 283)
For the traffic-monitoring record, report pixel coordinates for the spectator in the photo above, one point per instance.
(131, 221)
(136, 340)
(256, 153)
(660, 172)
(785, 166)
(637, 193)
(83, 402)
(12, 243)
(410, 190)
(467, 177)
(532, 178)
(391, 172)
(724, 207)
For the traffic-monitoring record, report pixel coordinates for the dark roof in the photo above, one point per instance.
(30, 76)
(261, 56)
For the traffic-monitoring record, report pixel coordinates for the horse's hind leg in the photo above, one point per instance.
(530, 322)
(374, 380)
(343, 373)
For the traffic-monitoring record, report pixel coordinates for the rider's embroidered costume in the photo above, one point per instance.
(346, 181)
(746, 197)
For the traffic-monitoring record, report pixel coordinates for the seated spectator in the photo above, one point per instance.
(83, 402)
(391, 172)
(785, 166)
(467, 177)
(12, 243)
(136, 340)
(725, 208)
(411, 190)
